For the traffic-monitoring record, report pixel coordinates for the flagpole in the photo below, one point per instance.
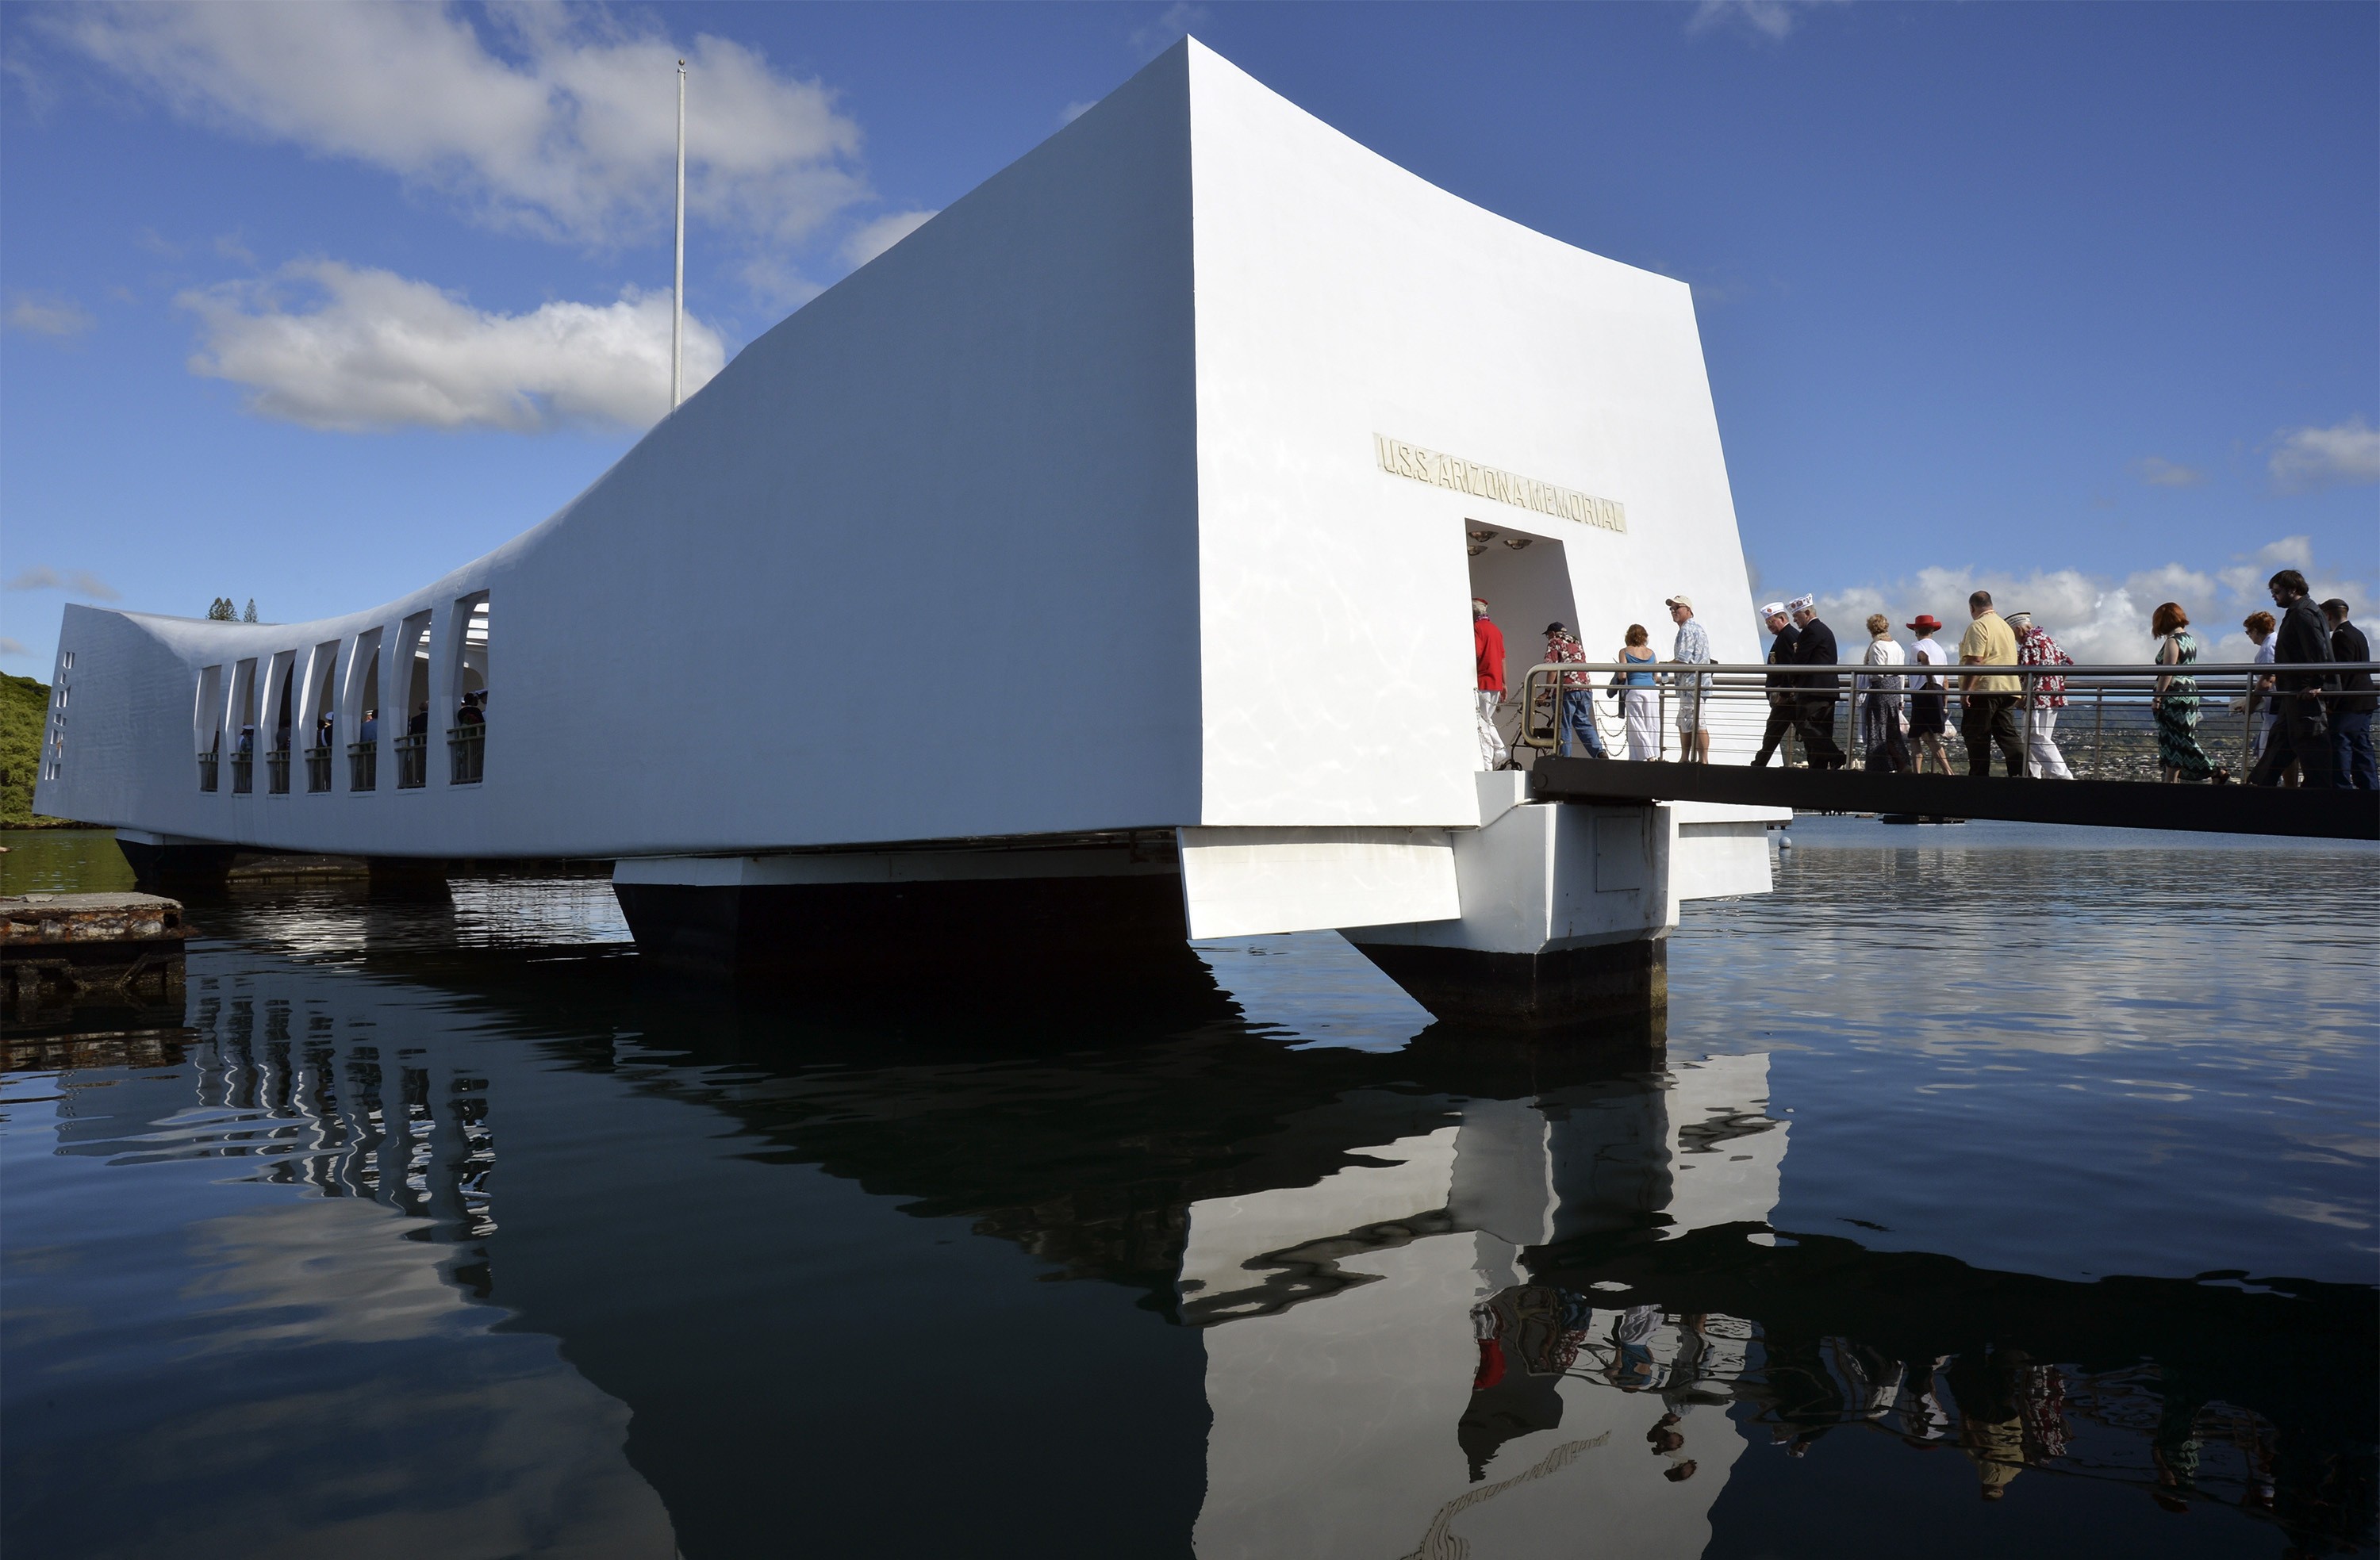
(677, 291)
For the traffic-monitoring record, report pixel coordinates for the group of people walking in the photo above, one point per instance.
(1636, 692)
(1903, 717)
(2315, 727)
(2316, 730)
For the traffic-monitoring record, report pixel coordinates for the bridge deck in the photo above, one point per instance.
(2215, 809)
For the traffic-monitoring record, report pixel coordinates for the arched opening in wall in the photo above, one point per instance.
(409, 666)
(363, 707)
(206, 723)
(1525, 577)
(322, 707)
(280, 684)
(243, 747)
(466, 738)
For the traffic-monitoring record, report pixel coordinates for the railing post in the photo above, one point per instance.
(2025, 685)
(2098, 730)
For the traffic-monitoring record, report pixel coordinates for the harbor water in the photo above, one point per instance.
(1987, 1190)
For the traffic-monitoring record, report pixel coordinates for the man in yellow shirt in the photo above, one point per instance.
(1990, 715)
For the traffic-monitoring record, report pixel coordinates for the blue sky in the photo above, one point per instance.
(309, 303)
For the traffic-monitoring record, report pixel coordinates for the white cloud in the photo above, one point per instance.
(1772, 20)
(777, 282)
(2159, 472)
(76, 582)
(12, 647)
(1075, 111)
(45, 316)
(873, 238)
(568, 132)
(363, 349)
(2095, 618)
(2306, 460)
(1153, 38)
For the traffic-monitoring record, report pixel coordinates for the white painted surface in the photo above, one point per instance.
(1546, 877)
(1718, 860)
(1061, 515)
(1240, 880)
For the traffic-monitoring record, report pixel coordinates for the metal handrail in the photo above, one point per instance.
(2120, 697)
(1915, 669)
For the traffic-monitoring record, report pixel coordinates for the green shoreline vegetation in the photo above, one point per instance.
(24, 708)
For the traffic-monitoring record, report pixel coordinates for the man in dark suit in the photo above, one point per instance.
(1782, 700)
(2351, 761)
(1813, 719)
(2300, 730)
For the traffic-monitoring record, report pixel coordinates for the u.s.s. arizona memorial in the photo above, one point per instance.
(1085, 574)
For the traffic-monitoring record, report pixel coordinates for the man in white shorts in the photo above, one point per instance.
(1693, 649)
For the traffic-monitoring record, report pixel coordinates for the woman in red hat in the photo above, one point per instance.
(1928, 705)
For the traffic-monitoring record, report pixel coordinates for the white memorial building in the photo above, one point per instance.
(1087, 572)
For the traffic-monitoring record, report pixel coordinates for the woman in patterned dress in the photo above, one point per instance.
(2178, 754)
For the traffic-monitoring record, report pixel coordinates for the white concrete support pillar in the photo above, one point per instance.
(1566, 911)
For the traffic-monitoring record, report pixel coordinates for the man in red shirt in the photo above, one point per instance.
(1488, 649)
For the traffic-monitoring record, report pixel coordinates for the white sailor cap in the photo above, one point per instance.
(1803, 604)
(1774, 610)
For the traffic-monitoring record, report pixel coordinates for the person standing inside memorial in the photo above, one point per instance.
(1639, 698)
(1813, 719)
(1488, 652)
(1693, 648)
(1781, 692)
(2178, 755)
(2351, 761)
(2300, 728)
(1879, 695)
(1928, 705)
(1989, 716)
(2044, 696)
(1574, 700)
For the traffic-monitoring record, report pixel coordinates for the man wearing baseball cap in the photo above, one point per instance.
(1693, 648)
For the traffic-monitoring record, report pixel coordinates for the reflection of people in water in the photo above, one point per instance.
(1631, 1351)
(1529, 1336)
(1983, 1383)
(1669, 1442)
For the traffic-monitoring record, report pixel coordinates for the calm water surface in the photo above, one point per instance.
(1994, 1190)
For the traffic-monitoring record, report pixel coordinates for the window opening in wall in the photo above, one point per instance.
(207, 724)
(467, 739)
(321, 740)
(243, 741)
(363, 754)
(276, 757)
(410, 663)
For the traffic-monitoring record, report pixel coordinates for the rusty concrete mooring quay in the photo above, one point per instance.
(60, 950)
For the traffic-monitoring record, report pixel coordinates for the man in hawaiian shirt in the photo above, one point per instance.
(2044, 696)
(1577, 711)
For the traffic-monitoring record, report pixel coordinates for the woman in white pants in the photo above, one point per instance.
(1639, 698)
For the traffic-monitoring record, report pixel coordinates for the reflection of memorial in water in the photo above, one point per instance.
(1439, 1398)
(274, 1084)
(1455, 1294)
